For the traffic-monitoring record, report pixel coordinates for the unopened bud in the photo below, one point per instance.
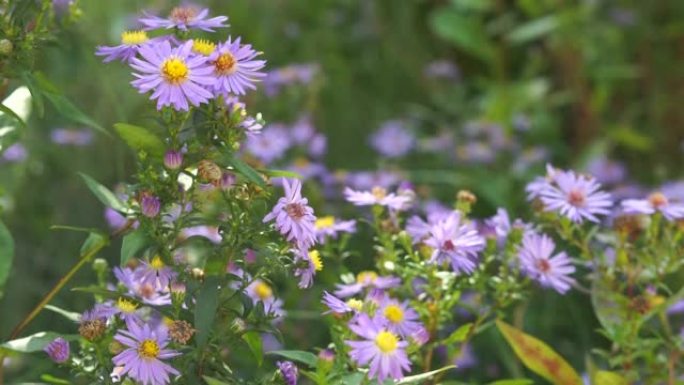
(173, 160)
(6, 47)
(92, 330)
(466, 197)
(209, 171)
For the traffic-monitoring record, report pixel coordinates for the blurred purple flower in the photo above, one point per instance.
(184, 18)
(393, 139)
(58, 350)
(442, 69)
(65, 136)
(656, 202)
(15, 153)
(378, 196)
(289, 372)
(270, 145)
(367, 280)
(607, 171)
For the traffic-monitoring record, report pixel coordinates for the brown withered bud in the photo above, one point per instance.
(629, 226)
(640, 305)
(181, 331)
(209, 171)
(92, 330)
(466, 196)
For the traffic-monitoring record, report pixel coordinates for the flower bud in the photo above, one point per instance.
(150, 205)
(173, 160)
(209, 171)
(58, 350)
(288, 371)
(6, 47)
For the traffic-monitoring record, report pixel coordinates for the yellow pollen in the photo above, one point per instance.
(263, 291)
(325, 222)
(149, 349)
(157, 263)
(366, 277)
(125, 305)
(225, 64)
(203, 47)
(316, 260)
(379, 193)
(394, 314)
(386, 342)
(175, 70)
(167, 321)
(355, 304)
(133, 37)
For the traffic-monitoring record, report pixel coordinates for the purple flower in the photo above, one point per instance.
(457, 241)
(380, 348)
(150, 206)
(173, 160)
(184, 18)
(176, 75)
(289, 372)
(393, 140)
(235, 68)
(293, 216)
(656, 202)
(502, 226)
(260, 291)
(538, 263)
(131, 41)
(142, 360)
(308, 263)
(442, 69)
(71, 137)
(378, 196)
(367, 280)
(15, 153)
(366, 180)
(270, 145)
(337, 305)
(466, 358)
(419, 229)
(155, 273)
(210, 232)
(575, 196)
(292, 74)
(58, 350)
(329, 227)
(148, 293)
(400, 317)
(607, 171)
(124, 308)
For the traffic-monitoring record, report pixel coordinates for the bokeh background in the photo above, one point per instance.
(578, 83)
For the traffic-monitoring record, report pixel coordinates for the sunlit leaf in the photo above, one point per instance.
(419, 378)
(106, 196)
(33, 343)
(140, 139)
(70, 315)
(247, 171)
(464, 31)
(459, 334)
(539, 357)
(534, 29)
(94, 239)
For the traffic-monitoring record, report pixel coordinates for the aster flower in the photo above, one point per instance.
(419, 229)
(184, 18)
(209, 232)
(235, 67)
(549, 270)
(502, 226)
(149, 293)
(270, 145)
(289, 372)
(393, 140)
(67, 137)
(58, 350)
(293, 216)
(142, 360)
(338, 306)
(456, 241)
(126, 309)
(131, 41)
(379, 347)
(378, 196)
(15, 153)
(400, 317)
(176, 75)
(155, 273)
(578, 197)
(260, 291)
(607, 171)
(308, 263)
(366, 180)
(367, 280)
(150, 206)
(330, 227)
(656, 202)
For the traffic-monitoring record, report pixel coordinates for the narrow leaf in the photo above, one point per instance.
(213, 381)
(306, 358)
(534, 29)
(70, 315)
(105, 195)
(13, 114)
(539, 357)
(247, 171)
(459, 334)
(419, 378)
(253, 340)
(33, 343)
(140, 139)
(132, 243)
(205, 310)
(6, 254)
(517, 381)
(94, 239)
(70, 111)
(465, 32)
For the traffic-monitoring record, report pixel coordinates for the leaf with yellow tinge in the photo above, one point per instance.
(539, 357)
(608, 378)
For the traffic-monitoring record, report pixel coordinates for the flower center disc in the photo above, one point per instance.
(149, 349)
(175, 71)
(225, 64)
(394, 314)
(133, 37)
(183, 14)
(386, 342)
(543, 265)
(125, 305)
(576, 198)
(263, 291)
(295, 210)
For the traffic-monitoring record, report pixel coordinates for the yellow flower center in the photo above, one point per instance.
(225, 64)
(379, 193)
(149, 349)
(175, 71)
(386, 342)
(394, 314)
(125, 305)
(263, 291)
(316, 260)
(325, 222)
(366, 277)
(355, 304)
(203, 47)
(156, 263)
(133, 37)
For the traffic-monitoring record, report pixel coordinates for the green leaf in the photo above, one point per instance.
(603, 377)
(36, 93)
(466, 32)
(140, 139)
(247, 171)
(306, 358)
(132, 244)
(54, 380)
(253, 340)
(533, 29)
(213, 381)
(94, 240)
(539, 357)
(419, 378)
(459, 334)
(34, 343)
(516, 381)
(70, 315)
(282, 174)
(70, 111)
(205, 310)
(105, 195)
(6, 254)
(13, 114)
(351, 379)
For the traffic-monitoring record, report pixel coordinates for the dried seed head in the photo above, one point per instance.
(92, 330)
(181, 331)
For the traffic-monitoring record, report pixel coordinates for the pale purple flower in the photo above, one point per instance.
(502, 225)
(123, 308)
(318, 145)
(289, 75)
(184, 18)
(235, 67)
(210, 232)
(176, 75)
(58, 350)
(144, 355)
(656, 202)
(155, 273)
(393, 139)
(150, 206)
(269, 145)
(293, 216)
(65, 136)
(15, 153)
(289, 372)
(674, 190)
(335, 304)
(302, 130)
(131, 41)
(366, 180)
(379, 348)
(607, 171)
(539, 263)
(260, 291)
(173, 159)
(476, 152)
(148, 293)
(367, 280)
(442, 69)
(378, 196)
(307, 263)
(419, 229)
(466, 358)
(456, 241)
(329, 227)
(400, 317)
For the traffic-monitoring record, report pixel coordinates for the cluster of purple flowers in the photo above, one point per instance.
(184, 73)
